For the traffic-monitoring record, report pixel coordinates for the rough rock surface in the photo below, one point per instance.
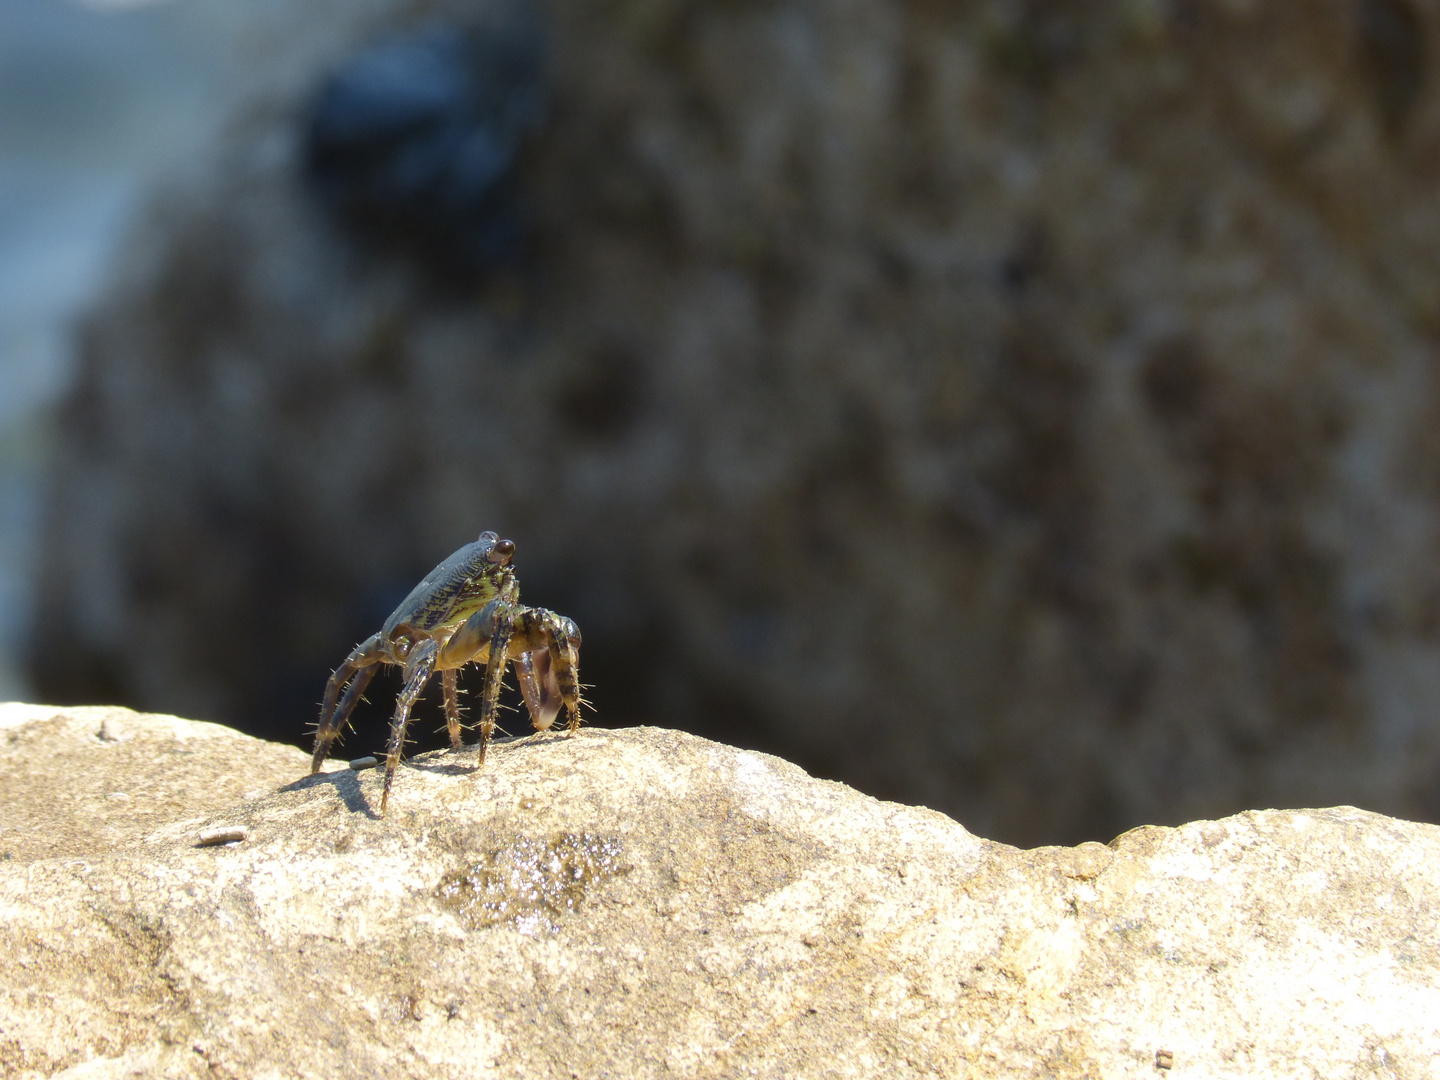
(645, 903)
(950, 369)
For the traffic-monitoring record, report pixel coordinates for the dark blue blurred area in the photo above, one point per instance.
(413, 144)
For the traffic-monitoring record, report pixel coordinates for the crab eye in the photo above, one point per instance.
(502, 551)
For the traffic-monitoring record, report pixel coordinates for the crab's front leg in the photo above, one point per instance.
(547, 657)
(358, 669)
(545, 648)
(419, 666)
(563, 639)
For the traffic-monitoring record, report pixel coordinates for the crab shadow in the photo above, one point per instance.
(348, 782)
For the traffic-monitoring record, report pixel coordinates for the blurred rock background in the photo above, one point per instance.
(1023, 408)
(95, 102)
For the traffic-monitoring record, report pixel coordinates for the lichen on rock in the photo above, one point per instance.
(532, 882)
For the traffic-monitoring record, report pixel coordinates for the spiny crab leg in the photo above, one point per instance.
(550, 640)
(542, 646)
(358, 669)
(419, 666)
(495, 675)
(452, 707)
(562, 636)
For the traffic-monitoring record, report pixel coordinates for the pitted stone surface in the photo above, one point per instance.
(664, 906)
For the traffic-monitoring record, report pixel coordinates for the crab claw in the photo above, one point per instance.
(538, 685)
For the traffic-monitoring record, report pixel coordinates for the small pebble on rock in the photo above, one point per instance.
(223, 834)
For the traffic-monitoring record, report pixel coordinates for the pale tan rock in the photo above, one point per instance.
(82, 780)
(644, 903)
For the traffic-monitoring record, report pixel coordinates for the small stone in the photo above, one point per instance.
(223, 834)
(360, 764)
(1164, 1059)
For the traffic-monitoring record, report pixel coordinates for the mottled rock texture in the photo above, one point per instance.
(645, 903)
(1024, 408)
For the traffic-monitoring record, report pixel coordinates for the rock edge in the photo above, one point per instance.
(645, 903)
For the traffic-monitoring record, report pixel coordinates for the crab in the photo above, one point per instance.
(465, 610)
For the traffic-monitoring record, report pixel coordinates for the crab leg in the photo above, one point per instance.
(550, 649)
(563, 639)
(452, 707)
(476, 640)
(419, 666)
(544, 648)
(495, 674)
(358, 669)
